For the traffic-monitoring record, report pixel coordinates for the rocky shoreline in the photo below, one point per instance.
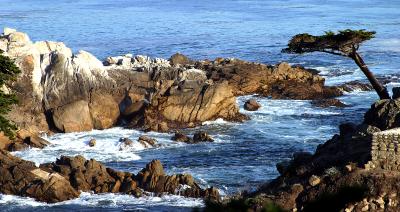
(355, 170)
(65, 178)
(141, 92)
(62, 92)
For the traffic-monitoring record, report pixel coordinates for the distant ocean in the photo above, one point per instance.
(244, 155)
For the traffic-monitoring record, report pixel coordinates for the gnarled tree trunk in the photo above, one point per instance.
(382, 91)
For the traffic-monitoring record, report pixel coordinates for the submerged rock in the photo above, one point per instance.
(92, 142)
(180, 137)
(252, 105)
(202, 136)
(328, 103)
(147, 141)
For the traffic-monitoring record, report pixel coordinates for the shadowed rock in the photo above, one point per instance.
(23, 178)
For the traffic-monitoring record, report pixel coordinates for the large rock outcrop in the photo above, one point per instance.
(68, 176)
(280, 81)
(68, 92)
(384, 114)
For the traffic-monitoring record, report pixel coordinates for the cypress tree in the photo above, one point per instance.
(8, 73)
(344, 43)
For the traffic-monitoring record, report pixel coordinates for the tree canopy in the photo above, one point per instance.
(8, 73)
(343, 43)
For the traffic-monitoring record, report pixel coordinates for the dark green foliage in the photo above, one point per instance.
(8, 73)
(342, 43)
(336, 201)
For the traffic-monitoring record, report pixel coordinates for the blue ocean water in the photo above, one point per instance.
(244, 155)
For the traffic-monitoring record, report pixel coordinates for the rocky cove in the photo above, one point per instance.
(62, 92)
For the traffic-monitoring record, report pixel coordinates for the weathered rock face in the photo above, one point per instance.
(76, 92)
(73, 117)
(190, 102)
(384, 114)
(23, 178)
(104, 110)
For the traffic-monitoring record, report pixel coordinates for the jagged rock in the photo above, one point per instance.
(23, 139)
(396, 92)
(152, 178)
(147, 141)
(90, 175)
(366, 130)
(92, 142)
(17, 146)
(354, 86)
(252, 105)
(36, 142)
(328, 103)
(180, 59)
(193, 75)
(281, 81)
(202, 136)
(180, 137)
(384, 114)
(23, 178)
(126, 141)
(74, 117)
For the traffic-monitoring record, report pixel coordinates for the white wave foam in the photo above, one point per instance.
(107, 200)
(107, 148)
(219, 121)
